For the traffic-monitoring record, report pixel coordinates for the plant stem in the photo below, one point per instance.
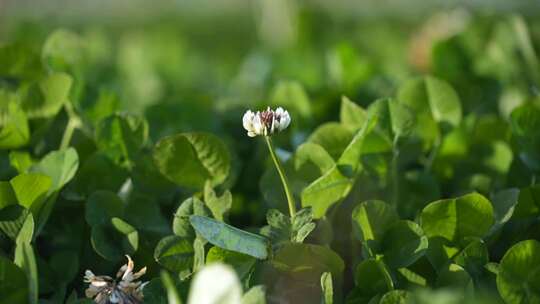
(432, 155)
(68, 133)
(281, 171)
(73, 123)
(395, 175)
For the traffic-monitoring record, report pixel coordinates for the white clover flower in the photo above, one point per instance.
(105, 290)
(266, 122)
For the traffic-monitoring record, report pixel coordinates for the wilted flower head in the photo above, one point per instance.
(266, 122)
(124, 290)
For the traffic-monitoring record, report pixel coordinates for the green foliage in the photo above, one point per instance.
(192, 158)
(456, 219)
(282, 229)
(230, 238)
(174, 253)
(14, 130)
(518, 277)
(13, 283)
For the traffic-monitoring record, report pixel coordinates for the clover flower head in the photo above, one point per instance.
(266, 122)
(124, 290)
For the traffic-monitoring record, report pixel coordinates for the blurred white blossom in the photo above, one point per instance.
(215, 284)
(266, 122)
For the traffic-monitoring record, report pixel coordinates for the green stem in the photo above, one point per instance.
(279, 167)
(433, 155)
(68, 133)
(395, 175)
(73, 123)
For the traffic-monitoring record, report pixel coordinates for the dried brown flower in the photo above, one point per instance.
(124, 290)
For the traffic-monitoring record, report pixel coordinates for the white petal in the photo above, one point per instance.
(99, 283)
(88, 276)
(284, 121)
(247, 120)
(258, 127)
(275, 125)
(216, 283)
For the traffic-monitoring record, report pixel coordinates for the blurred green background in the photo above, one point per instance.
(198, 65)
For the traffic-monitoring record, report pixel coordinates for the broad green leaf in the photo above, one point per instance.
(174, 253)
(443, 101)
(90, 177)
(473, 258)
(7, 195)
(191, 206)
(326, 191)
(144, 213)
(26, 260)
(291, 96)
(327, 288)
(45, 98)
(372, 278)
(349, 163)
(242, 263)
(121, 136)
(351, 114)
(410, 278)
(371, 219)
(518, 280)
(229, 237)
(454, 219)
(279, 227)
(20, 160)
(60, 166)
(112, 241)
(333, 137)
(442, 251)
(255, 295)
(396, 297)
(314, 153)
(504, 204)
(146, 176)
(393, 118)
(434, 102)
(101, 207)
(528, 202)
(307, 262)
(31, 190)
(14, 129)
(403, 243)
(20, 60)
(189, 159)
(17, 222)
(13, 283)
(62, 50)
(525, 123)
(130, 241)
(219, 205)
(302, 225)
(216, 283)
(454, 276)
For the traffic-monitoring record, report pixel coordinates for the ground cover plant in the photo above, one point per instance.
(374, 165)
